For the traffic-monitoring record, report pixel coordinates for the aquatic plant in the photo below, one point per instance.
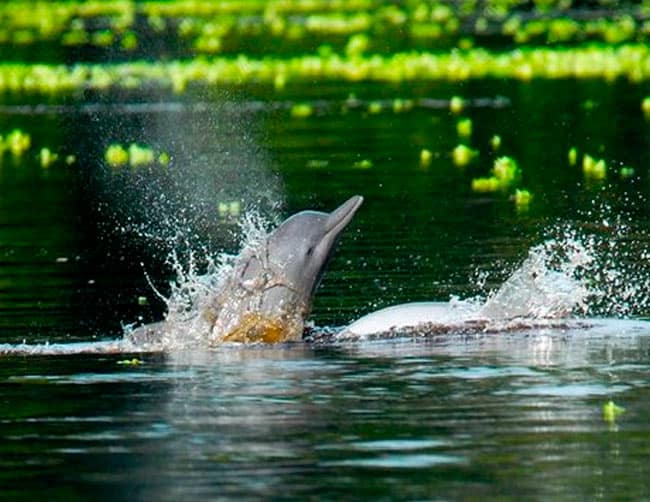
(164, 159)
(611, 411)
(230, 209)
(302, 110)
(505, 176)
(135, 156)
(363, 164)
(626, 172)
(18, 142)
(522, 199)
(402, 105)
(116, 156)
(485, 185)
(593, 170)
(316, 163)
(47, 157)
(573, 156)
(456, 104)
(506, 171)
(375, 107)
(463, 155)
(425, 157)
(129, 41)
(357, 45)
(645, 107)
(629, 61)
(495, 142)
(464, 127)
(130, 362)
(353, 27)
(140, 155)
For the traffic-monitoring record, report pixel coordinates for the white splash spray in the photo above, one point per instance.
(598, 271)
(193, 291)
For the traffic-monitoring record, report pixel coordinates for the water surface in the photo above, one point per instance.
(505, 415)
(497, 416)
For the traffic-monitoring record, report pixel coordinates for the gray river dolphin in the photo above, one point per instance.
(268, 295)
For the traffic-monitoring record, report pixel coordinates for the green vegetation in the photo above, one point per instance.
(230, 209)
(116, 156)
(353, 27)
(456, 104)
(626, 172)
(425, 157)
(505, 178)
(17, 142)
(47, 157)
(302, 110)
(463, 155)
(522, 199)
(130, 362)
(76, 51)
(629, 61)
(61, 48)
(135, 156)
(363, 164)
(611, 411)
(505, 175)
(464, 127)
(573, 156)
(593, 170)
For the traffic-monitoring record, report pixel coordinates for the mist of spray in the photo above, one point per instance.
(215, 161)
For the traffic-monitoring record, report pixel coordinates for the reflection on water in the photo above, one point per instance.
(480, 416)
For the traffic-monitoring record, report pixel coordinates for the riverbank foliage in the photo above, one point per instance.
(187, 27)
(631, 62)
(60, 47)
(62, 52)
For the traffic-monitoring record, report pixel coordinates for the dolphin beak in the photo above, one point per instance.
(341, 216)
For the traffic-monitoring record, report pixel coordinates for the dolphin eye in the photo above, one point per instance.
(310, 250)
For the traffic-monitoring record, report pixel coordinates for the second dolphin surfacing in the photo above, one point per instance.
(268, 294)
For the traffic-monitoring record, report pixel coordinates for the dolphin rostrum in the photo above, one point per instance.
(268, 294)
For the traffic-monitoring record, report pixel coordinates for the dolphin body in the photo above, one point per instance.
(268, 294)
(533, 296)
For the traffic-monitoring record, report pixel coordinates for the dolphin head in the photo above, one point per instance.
(272, 291)
(301, 247)
(269, 293)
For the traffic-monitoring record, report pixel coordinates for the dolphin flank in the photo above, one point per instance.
(268, 295)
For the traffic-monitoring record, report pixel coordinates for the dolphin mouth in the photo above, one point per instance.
(341, 216)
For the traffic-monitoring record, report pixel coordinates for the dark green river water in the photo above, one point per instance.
(507, 415)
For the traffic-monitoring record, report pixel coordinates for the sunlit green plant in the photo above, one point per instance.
(464, 127)
(18, 142)
(594, 170)
(47, 157)
(425, 157)
(505, 174)
(463, 155)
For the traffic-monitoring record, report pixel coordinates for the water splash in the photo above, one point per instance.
(594, 270)
(579, 270)
(545, 286)
(215, 160)
(194, 291)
